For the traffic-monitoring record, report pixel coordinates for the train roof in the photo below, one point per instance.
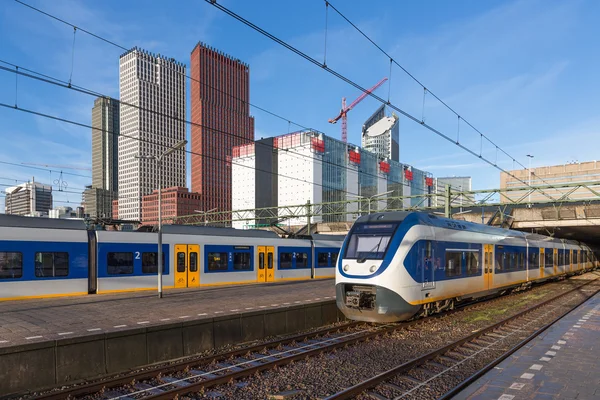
(321, 236)
(217, 231)
(18, 221)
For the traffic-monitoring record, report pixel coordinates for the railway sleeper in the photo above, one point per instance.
(114, 394)
(202, 374)
(148, 388)
(174, 381)
(376, 396)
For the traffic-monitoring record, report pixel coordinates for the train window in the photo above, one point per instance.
(533, 260)
(150, 263)
(473, 263)
(11, 265)
(193, 261)
(512, 262)
(428, 249)
(119, 263)
(241, 261)
(453, 263)
(322, 259)
(499, 261)
(217, 261)
(48, 265)
(270, 260)
(561, 258)
(567, 257)
(181, 261)
(574, 256)
(261, 260)
(549, 258)
(334, 257)
(285, 260)
(301, 260)
(580, 256)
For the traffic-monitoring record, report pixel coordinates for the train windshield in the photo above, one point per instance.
(369, 241)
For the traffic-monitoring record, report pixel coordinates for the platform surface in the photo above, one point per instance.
(27, 321)
(562, 363)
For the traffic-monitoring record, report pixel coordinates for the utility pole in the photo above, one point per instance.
(312, 263)
(448, 210)
(529, 168)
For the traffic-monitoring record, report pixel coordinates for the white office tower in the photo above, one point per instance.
(154, 88)
(380, 135)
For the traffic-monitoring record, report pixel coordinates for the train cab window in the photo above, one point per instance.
(150, 263)
(270, 260)
(241, 262)
(369, 241)
(472, 259)
(181, 261)
(301, 260)
(217, 261)
(11, 265)
(119, 263)
(193, 261)
(48, 265)
(261, 260)
(285, 260)
(322, 259)
(453, 263)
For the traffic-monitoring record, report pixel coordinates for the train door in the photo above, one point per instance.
(542, 261)
(488, 265)
(187, 265)
(428, 266)
(555, 260)
(270, 263)
(261, 274)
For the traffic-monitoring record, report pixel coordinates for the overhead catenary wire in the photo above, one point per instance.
(356, 85)
(55, 81)
(191, 79)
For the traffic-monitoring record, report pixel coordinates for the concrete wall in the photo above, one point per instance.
(36, 366)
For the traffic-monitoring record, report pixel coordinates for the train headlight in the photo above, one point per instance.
(373, 268)
(346, 268)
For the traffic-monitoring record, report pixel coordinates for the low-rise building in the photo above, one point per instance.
(176, 202)
(30, 198)
(458, 185)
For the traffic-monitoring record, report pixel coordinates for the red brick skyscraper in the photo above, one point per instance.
(220, 120)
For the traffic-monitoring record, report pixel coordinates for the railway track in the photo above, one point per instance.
(426, 376)
(197, 375)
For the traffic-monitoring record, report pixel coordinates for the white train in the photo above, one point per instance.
(396, 265)
(42, 257)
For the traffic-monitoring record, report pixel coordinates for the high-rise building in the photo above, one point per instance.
(30, 198)
(380, 135)
(175, 202)
(154, 86)
(221, 119)
(105, 153)
(310, 166)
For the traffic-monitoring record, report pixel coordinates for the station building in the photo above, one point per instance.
(303, 166)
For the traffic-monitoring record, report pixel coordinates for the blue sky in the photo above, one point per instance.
(523, 72)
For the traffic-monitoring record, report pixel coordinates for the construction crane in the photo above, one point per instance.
(58, 166)
(344, 111)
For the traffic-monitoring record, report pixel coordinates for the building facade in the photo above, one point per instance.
(63, 212)
(152, 119)
(310, 166)
(381, 134)
(221, 120)
(457, 184)
(573, 173)
(98, 197)
(30, 198)
(175, 201)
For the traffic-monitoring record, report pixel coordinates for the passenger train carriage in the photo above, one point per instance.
(396, 265)
(42, 257)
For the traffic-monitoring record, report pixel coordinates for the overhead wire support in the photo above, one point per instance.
(326, 23)
(72, 55)
(356, 85)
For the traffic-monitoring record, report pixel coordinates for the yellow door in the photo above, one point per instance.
(270, 263)
(542, 261)
(187, 265)
(488, 265)
(261, 276)
(193, 273)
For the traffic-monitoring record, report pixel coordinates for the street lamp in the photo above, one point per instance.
(529, 168)
(159, 159)
(205, 212)
(370, 198)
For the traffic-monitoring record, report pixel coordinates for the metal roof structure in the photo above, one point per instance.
(18, 221)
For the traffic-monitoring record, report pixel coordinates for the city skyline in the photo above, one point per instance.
(509, 101)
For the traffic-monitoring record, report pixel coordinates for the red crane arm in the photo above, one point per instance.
(358, 100)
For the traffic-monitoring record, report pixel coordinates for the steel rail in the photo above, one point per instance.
(387, 375)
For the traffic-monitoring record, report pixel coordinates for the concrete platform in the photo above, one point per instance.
(562, 363)
(63, 340)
